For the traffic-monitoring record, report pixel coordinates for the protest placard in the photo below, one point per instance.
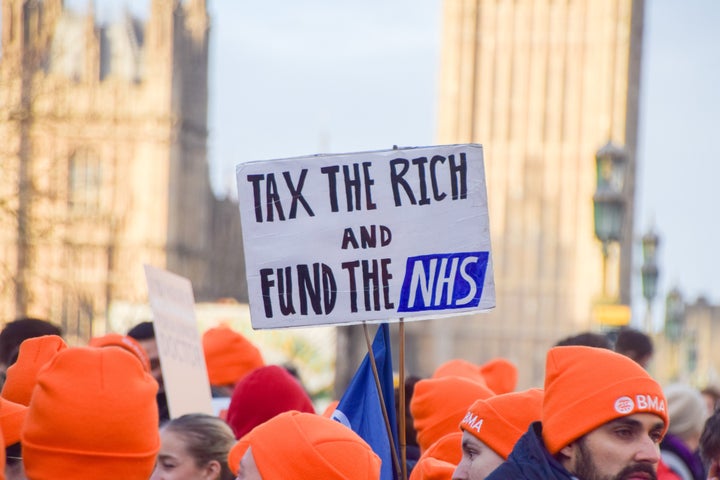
(369, 236)
(179, 346)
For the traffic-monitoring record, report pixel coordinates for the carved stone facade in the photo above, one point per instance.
(542, 85)
(103, 162)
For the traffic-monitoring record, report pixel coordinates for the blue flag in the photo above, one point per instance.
(360, 409)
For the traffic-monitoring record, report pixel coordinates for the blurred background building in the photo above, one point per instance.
(103, 162)
(543, 85)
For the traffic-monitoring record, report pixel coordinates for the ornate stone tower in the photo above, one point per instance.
(542, 84)
(103, 160)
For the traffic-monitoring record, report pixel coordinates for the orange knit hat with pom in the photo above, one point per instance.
(229, 356)
(93, 415)
(12, 417)
(458, 367)
(298, 446)
(34, 353)
(438, 405)
(501, 375)
(501, 420)
(122, 341)
(586, 387)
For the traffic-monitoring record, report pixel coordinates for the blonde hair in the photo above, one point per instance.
(206, 438)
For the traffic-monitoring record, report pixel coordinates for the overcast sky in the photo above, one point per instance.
(293, 78)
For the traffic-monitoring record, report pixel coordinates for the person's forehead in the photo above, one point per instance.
(647, 420)
(468, 439)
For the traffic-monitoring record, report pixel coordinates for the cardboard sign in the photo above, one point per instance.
(370, 236)
(179, 346)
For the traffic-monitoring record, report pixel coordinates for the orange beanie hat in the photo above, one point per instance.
(501, 375)
(458, 367)
(93, 415)
(439, 461)
(12, 416)
(123, 341)
(229, 356)
(586, 387)
(34, 353)
(501, 420)
(297, 446)
(431, 468)
(438, 405)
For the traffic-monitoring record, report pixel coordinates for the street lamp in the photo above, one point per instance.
(649, 272)
(609, 200)
(674, 315)
(674, 327)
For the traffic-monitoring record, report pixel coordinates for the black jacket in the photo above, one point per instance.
(530, 460)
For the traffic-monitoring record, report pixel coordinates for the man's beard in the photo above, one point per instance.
(586, 469)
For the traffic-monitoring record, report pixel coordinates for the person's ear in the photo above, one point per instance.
(566, 455)
(212, 470)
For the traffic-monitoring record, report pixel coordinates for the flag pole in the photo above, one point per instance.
(371, 354)
(401, 400)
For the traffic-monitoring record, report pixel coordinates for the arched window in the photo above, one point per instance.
(84, 183)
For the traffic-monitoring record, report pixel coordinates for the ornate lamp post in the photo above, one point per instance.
(674, 325)
(609, 202)
(650, 273)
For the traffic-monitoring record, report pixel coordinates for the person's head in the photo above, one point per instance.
(125, 342)
(711, 394)
(603, 415)
(298, 446)
(144, 334)
(589, 339)
(229, 356)
(634, 344)
(458, 367)
(687, 411)
(438, 405)
(17, 331)
(498, 374)
(491, 428)
(92, 415)
(34, 354)
(194, 446)
(710, 439)
(262, 394)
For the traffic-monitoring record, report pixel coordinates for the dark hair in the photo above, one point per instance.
(710, 437)
(633, 343)
(142, 331)
(206, 438)
(588, 339)
(13, 453)
(17, 331)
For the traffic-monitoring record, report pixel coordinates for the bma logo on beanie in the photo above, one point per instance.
(471, 422)
(643, 403)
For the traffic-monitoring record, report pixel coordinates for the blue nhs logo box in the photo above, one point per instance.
(443, 281)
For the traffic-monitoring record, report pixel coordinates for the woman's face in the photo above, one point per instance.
(175, 463)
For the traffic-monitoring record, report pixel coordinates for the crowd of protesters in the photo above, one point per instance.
(100, 411)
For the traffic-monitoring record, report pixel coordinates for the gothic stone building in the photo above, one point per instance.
(103, 162)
